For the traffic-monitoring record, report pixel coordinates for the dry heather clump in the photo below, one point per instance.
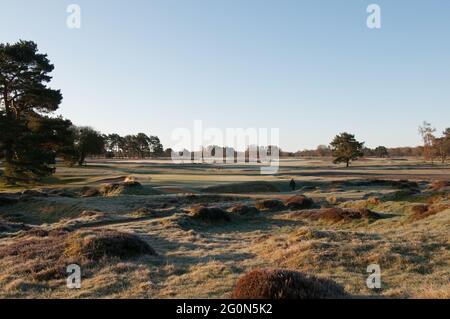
(41, 255)
(244, 210)
(299, 202)
(106, 243)
(335, 215)
(419, 212)
(285, 284)
(209, 214)
(439, 185)
(128, 187)
(270, 204)
(45, 254)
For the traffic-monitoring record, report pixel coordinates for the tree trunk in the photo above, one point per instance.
(348, 163)
(8, 152)
(81, 159)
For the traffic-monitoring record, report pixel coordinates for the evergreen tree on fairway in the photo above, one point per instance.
(346, 148)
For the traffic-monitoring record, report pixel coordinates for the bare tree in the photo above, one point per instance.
(426, 132)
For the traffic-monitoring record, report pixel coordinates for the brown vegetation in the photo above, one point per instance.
(209, 214)
(94, 245)
(270, 204)
(244, 210)
(336, 214)
(285, 284)
(299, 202)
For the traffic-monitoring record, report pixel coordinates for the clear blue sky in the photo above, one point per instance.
(311, 68)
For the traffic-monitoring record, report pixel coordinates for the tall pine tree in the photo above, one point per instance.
(29, 138)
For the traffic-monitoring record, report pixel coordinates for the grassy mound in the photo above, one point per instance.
(106, 243)
(285, 284)
(244, 210)
(299, 202)
(209, 214)
(243, 188)
(270, 204)
(127, 188)
(335, 215)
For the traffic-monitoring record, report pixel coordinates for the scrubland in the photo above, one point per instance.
(153, 229)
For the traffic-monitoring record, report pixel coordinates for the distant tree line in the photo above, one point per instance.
(138, 146)
(434, 147)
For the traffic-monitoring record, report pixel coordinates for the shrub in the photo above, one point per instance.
(210, 215)
(299, 202)
(285, 284)
(270, 204)
(126, 188)
(244, 210)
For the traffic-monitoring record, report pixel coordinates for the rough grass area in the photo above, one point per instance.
(299, 202)
(335, 215)
(270, 204)
(241, 238)
(243, 188)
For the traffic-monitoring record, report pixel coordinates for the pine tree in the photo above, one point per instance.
(346, 148)
(27, 138)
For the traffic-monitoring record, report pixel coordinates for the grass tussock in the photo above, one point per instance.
(285, 284)
(106, 244)
(299, 202)
(126, 188)
(244, 210)
(209, 214)
(270, 204)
